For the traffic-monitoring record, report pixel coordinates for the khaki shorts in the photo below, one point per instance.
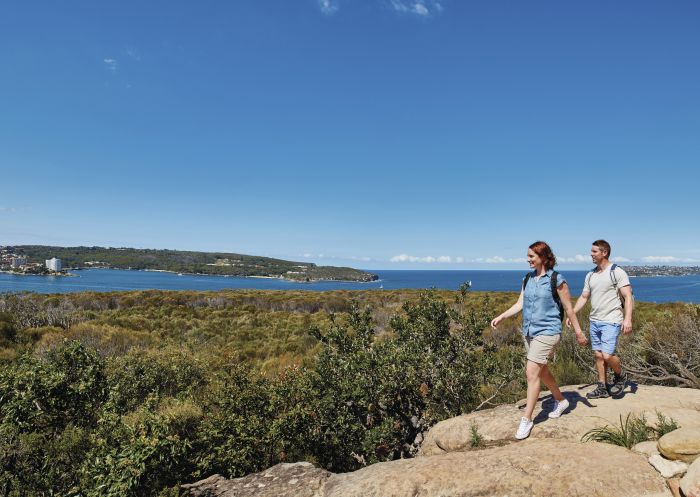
(540, 348)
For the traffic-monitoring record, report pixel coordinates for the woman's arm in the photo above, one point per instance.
(565, 298)
(514, 309)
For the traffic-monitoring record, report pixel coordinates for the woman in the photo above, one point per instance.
(543, 295)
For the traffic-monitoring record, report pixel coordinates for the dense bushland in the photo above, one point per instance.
(134, 393)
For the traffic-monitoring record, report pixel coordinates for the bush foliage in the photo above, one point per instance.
(134, 393)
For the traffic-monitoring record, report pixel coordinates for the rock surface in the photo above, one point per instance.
(682, 444)
(540, 468)
(552, 463)
(666, 467)
(543, 468)
(681, 404)
(647, 448)
(690, 483)
(283, 480)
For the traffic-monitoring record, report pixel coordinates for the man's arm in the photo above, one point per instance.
(580, 302)
(626, 293)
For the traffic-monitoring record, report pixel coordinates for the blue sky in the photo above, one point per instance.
(373, 133)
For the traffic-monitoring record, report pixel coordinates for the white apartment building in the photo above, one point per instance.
(16, 262)
(53, 264)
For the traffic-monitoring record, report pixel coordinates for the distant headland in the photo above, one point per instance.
(662, 270)
(179, 261)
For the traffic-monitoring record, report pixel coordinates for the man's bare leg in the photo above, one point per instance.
(613, 361)
(600, 366)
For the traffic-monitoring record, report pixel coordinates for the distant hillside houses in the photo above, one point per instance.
(17, 262)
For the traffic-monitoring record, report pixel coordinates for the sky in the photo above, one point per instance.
(379, 134)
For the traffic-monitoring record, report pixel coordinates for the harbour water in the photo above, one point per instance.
(648, 289)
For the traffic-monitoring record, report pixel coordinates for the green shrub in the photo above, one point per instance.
(148, 450)
(48, 406)
(237, 429)
(376, 397)
(664, 425)
(68, 386)
(475, 438)
(8, 329)
(631, 431)
(165, 372)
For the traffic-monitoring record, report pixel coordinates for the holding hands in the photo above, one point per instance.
(580, 337)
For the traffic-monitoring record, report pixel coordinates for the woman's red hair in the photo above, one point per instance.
(545, 253)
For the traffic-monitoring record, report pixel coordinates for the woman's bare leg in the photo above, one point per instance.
(549, 381)
(533, 372)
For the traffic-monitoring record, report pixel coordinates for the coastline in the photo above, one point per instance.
(60, 275)
(682, 289)
(291, 280)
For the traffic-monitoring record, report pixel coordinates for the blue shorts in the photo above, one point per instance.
(604, 336)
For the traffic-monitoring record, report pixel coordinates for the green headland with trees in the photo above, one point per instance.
(180, 261)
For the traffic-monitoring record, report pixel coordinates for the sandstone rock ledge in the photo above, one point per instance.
(551, 463)
(300, 479)
(542, 468)
(496, 424)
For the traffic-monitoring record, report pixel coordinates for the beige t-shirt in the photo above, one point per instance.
(606, 305)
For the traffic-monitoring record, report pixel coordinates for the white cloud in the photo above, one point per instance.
(421, 8)
(15, 209)
(620, 259)
(441, 259)
(361, 258)
(111, 64)
(497, 259)
(661, 258)
(411, 258)
(328, 6)
(666, 259)
(577, 259)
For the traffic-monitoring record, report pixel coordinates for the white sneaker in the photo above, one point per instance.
(524, 428)
(559, 408)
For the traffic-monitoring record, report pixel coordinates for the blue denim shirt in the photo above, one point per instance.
(540, 311)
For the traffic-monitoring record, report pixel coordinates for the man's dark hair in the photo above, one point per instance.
(603, 245)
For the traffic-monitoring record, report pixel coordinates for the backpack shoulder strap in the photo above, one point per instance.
(526, 279)
(613, 278)
(555, 294)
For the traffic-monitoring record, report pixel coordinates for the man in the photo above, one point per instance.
(611, 312)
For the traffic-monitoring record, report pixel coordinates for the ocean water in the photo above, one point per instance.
(655, 289)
